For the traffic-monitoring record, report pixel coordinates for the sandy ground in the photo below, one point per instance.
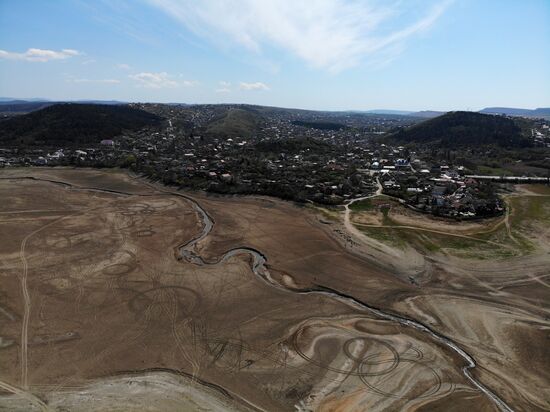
(152, 391)
(109, 302)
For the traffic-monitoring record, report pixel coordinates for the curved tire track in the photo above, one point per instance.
(259, 268)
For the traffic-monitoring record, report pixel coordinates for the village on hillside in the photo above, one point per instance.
(291, 155)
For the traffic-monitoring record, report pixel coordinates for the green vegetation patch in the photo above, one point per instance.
(235, 122)
(379, 204)
(527, 211)
(427, 242)
(385, 235)
(539, 189)
(331, 215)
(528, 215)
(362, 205)
(493, 171)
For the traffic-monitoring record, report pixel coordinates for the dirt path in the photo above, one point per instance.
(507, 222)
(27, 303)
(14, 212)
(25, 394)
(347, 221)
(353, 231)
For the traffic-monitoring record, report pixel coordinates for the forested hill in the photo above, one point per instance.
(232, 122)
(73, 124)
(460, 129)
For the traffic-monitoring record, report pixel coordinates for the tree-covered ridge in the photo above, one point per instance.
(459, 129)
(73, 124)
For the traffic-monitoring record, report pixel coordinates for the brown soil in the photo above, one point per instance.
(108, 296)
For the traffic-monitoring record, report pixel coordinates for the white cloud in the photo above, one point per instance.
(160, 80)
(328, 34)
(224, 87)
(39, 55)
(253, 86)
(84, 80)
(123, 66)
(154, 80)
(189, 83)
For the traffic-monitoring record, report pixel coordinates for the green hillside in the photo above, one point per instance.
(461, 129)
(73, 124)
(234, 122)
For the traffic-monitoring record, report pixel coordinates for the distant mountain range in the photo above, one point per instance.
(511, 111)
(384, 111)
(30, 99)
(542, 112)
(422, 113)
(14, 105)
(428, 114)
(22, 106)
(9, 100)
(8, 105)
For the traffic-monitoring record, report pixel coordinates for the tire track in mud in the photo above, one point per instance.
(259, 268)
(27, 302)
(442, 339)
(171, 311)
(187, 252)
(33, 399)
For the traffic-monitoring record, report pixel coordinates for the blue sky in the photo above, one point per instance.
(321, 54)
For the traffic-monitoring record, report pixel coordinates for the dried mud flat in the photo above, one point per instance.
(116, 294)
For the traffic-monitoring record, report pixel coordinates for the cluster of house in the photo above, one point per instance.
(441, 190)
(59, 156)
(345, 166)
(235, 165)
(540, 133)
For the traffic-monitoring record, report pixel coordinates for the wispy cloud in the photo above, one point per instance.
(327, 34)
(187, 83)
(39, 55)
(154, 80)
(123, 66)
(253, 86)
(223, 87)
(160, 80)
(84, 80)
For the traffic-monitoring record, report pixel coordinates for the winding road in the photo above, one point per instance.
(347, 212)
